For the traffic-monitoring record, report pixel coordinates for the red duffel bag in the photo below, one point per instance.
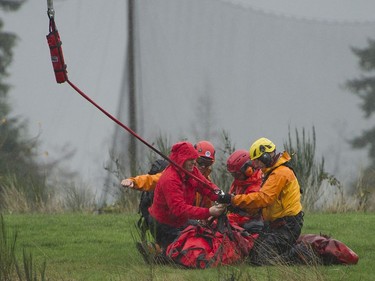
(329, 250)
(200, 246)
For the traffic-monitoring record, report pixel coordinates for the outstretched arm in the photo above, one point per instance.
(142, 183)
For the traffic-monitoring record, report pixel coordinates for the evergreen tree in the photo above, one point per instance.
(18, 165)
(364, 88)
(7, 41)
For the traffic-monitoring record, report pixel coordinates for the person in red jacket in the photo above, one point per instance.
(205, 160)
(173, 204)
(246, 180)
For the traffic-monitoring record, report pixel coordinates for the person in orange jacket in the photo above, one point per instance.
(205, 160)
(280, 200)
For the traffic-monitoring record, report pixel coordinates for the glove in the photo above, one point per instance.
(224, 198)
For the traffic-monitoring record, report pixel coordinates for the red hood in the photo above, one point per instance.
(183, 151)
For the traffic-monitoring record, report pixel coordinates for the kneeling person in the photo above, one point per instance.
(174, 197)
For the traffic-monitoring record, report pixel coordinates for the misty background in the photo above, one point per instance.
(250, 68)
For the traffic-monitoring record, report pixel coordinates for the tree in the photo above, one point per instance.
(7, 41)
(18, 163)
(364, 88)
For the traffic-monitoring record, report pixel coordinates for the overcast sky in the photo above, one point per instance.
(340, 10)
(94, 38)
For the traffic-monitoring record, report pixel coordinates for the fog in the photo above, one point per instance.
(262, 68)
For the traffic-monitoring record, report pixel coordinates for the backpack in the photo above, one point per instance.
(147, 198)
(144, 218)
(204, 246)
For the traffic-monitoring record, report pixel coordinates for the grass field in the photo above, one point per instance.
(92, 247)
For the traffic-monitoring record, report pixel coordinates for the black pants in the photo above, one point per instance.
(163, 234)
(276, 241)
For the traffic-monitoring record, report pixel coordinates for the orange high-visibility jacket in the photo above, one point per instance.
(145, 182)
(279, 195)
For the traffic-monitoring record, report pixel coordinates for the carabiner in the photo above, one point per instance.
(51, 10)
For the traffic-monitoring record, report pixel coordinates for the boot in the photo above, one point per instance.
(150, 251)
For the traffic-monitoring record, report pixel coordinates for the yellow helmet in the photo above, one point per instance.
(261, 146)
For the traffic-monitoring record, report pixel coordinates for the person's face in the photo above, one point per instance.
(257, 164)
(239, 176)
(203, 165)
(189, 165)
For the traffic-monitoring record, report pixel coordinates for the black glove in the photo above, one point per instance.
(225, 198)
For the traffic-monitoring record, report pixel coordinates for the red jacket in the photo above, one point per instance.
(251, 184)
(175, 191)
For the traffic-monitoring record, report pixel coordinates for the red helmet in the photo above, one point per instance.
(205, 149)
(237, 161)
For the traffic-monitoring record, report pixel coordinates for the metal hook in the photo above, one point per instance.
(51, 10)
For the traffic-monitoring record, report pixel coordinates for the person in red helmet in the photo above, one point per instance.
(246, 180)
(205, 160)
(206, 157)
(174, 197)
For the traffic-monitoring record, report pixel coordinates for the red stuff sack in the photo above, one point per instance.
(330, 251)
(57, 57)
(200, 246)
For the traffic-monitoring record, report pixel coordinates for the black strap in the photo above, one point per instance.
(286, 164)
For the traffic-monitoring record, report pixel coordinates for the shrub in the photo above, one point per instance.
(311, 174)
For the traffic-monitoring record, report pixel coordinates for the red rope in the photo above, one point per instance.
(59, 66)
(134, 133)
(117, 121)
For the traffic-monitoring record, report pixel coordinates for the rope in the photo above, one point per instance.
(61, 79)
(134, 134)
(119, 123)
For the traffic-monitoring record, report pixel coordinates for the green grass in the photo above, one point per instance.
(101, 247)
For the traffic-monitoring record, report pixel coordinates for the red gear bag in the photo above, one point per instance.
(57, 57)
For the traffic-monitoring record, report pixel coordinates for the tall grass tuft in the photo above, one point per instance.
(220, 176)
(29, 273)
(13, 199)
(78, 198)
(364, 190)
(311, 174)
(16, 197)
(7, 252)
(9, 267)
